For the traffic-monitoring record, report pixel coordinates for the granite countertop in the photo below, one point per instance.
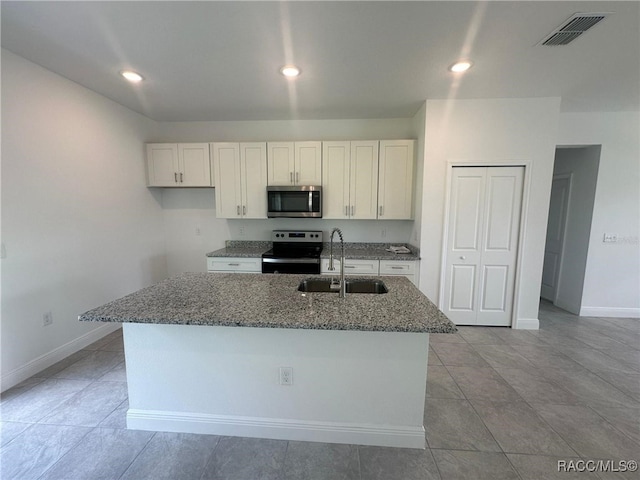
(371, 251)
(242, 249)
(359, 251)
(273, 301)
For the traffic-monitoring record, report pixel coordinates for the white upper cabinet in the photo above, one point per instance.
(294, 163)
(178, 165)
(363, 180)
(395, 187)
(241, 177)
(350, 180)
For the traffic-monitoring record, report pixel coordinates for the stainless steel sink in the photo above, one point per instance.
(366, 286)
(358, 285)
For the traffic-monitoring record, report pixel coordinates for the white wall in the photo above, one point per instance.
(186, 210)
(419, 125)
(582, 166)
(612, 277)
(79, 227)
(491, 132)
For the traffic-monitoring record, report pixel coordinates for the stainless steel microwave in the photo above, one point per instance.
(300, 201)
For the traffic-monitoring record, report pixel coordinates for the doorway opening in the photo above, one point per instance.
(573, 189)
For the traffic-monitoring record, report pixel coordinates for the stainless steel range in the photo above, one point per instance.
(294, 251)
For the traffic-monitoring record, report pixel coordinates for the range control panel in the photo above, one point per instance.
(291, 236)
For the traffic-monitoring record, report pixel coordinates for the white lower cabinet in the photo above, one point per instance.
(233, 264)
(351, 266)
(394, 267)
(407, 269)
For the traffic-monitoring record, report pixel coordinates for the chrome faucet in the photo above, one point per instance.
(332, 267)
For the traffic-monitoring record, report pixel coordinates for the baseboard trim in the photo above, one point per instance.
(280, 429)
(527, 324)
(615, 312)
(29, 369)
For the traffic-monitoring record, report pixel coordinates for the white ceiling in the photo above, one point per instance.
(220, 60)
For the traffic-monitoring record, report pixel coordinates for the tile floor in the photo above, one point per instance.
(501, 404)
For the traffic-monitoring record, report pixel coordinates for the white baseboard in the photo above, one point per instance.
(616, 312)
(527, 324)
(29, 369)
(280, 429)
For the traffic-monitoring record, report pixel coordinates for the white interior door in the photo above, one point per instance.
(555, 237)
(482, 243)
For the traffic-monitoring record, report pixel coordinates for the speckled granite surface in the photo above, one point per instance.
(372, 251)
(358, 251)
(242, 249)
(256, 300)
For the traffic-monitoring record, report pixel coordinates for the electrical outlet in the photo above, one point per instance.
(383, 233)
(198, 232)
(47, 319)
(610, 238)
(286, 376)
(241, 231)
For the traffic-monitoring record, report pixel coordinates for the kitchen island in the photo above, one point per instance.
(205, 353)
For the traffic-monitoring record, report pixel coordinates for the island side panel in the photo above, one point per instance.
(348, 386)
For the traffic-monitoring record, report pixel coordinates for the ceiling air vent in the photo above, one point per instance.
(573, 28)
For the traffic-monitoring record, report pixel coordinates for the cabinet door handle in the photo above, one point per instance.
(175, 177)
(244, 210)
(297, 177)
(380, 211)
(346, 210)
(238, 210)
(290, 177)
(180, 177)
(353, 209)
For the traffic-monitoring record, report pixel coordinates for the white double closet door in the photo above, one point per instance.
(482, 244)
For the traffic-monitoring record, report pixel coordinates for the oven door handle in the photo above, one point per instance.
(290, 260)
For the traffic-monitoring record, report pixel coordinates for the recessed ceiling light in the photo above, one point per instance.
(132, 76)
(290, 71)
(461, 66)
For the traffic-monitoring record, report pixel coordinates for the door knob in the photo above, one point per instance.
(462, 257)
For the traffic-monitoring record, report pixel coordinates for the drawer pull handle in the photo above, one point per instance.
(233, 264)
(397, 268)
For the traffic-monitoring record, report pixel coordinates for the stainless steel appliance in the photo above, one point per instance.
(294, 251)
(300, 201)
